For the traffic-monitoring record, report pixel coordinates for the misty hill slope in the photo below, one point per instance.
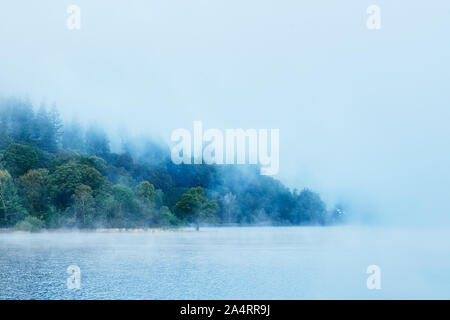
(63, 176)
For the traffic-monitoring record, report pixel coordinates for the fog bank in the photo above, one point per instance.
(363, 115)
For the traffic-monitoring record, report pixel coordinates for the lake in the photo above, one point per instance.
(228, 263)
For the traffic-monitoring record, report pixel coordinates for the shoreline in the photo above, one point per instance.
(155, 229)
(99, 230)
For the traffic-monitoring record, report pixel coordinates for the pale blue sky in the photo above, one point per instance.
(363, 114)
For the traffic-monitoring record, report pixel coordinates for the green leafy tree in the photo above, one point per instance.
(10, 209)
(5, 140)
(34, 191)
(67, 177)
(106, 208)
(145, 191)
(310, 208)
(145, 197)
(195, 205)
(5, 187)
(19, 158)
(30, 224)
(84, 205)
(125, 199)
(167, 218)
(125, 161)
(159, 198)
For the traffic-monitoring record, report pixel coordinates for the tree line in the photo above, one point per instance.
(54, 175)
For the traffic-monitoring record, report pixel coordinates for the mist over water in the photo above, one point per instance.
(228, 263)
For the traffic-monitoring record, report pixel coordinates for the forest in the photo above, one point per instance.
(56, 174)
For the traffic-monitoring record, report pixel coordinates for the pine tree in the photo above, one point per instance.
(97, 142)
(47, 129)
(56, 127)
(73, 136)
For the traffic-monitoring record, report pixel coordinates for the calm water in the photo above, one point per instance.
(228, 263)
